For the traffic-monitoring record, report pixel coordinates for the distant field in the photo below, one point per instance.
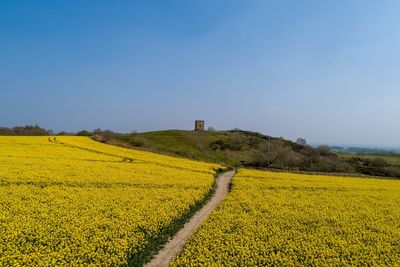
(74, 201)
(283, 219)
(391, 159)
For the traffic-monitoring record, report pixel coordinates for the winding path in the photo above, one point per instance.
(176, 244)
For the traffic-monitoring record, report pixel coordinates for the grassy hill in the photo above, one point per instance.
(188, 144)
(233, 148)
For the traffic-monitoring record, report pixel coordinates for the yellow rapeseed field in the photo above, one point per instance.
(284, 219)
(74, 201)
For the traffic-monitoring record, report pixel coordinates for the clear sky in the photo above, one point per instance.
(325, 70)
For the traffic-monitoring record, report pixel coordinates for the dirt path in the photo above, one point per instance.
(176, 244)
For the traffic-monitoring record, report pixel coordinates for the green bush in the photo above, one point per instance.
(84, 133)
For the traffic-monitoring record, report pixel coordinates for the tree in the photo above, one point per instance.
(84, 133)
(324, 150)
(301, 141)
(379, 162)
(236, 142)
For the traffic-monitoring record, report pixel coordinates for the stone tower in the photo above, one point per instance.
(199, 125)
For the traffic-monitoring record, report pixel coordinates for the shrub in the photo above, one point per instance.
(84, 133)
(137, 141)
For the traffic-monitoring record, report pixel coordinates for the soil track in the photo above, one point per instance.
(177, 243)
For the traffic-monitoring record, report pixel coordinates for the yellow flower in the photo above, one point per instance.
(300, 220)
(73, 201)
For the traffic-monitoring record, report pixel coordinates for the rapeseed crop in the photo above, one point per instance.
(73, 201)
(284, 219)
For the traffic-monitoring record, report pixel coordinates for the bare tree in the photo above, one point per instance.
(301, 141)
(324, 150)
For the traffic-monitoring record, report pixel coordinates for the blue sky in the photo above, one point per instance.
(325, 70)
